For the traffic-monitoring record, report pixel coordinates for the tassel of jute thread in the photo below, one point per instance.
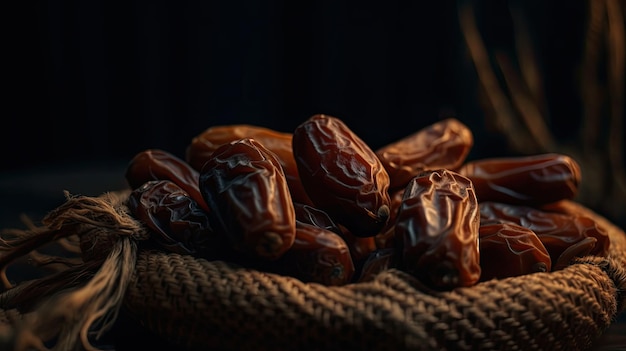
(81, 302)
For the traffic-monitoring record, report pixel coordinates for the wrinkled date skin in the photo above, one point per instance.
(437, 227)
(179, 223)
(360, 247)
(155, 164)
(342, 175)
(203, 145)
(444, 144)
(317, 255)
(526, 180)
(509, 250)
(565, 236)
(246, 190)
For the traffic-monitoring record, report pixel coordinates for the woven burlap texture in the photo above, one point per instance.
(200, 305)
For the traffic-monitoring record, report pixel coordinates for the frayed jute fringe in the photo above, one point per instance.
(199, 304)
(66, 306)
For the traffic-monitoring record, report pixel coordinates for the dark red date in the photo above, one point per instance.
(155, 164)
(578, 234)
(527, 180)
(342, 175)
(437, 228)
(203, 145)
(359, 247)
(317, 255)
(444, 144)
(508, 250)
(176, 219)
(247, 193)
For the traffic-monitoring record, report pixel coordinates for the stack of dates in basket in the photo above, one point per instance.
(320, 205)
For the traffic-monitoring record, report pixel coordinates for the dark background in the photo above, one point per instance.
(94, 82)
(98, 80)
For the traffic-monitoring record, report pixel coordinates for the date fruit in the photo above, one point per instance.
(156, 164)
(246, 190)
(342, 175)
(527, 180)
(508, 250)
(203, 145)
(176, 219)
(317, 255)
(437, 227)
(578, 234)
(444, 144)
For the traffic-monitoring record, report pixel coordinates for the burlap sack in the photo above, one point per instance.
(201, 305)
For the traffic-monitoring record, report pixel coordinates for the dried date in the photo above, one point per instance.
(203, 145)
(508, 250)
(360, 247)
(317, 255)
(444, 144)
(247, 193)
(342, 175)
(526, 180)
(176, 219)
(156, 164)
(437, 227)
(565, 236)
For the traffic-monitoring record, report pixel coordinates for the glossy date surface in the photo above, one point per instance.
(317, 255)
(342, 175)
(508, 250)
(527, 180)
(565, 236)
(437, 227)
(444, 144)
(156, 164)
(247, 193)
(203, 145)
(177, 221)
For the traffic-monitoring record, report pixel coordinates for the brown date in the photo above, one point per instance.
(317, 255)
(341, 174)
(527, 180)
(155, 164)
(176, 219)
(437, 227)
(444, 144)
(565, 236)
(246, 190)
(359, 247)
(205, 143)
(508, 250)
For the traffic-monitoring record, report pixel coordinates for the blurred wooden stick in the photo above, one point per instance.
(505, 119)
(616, 45)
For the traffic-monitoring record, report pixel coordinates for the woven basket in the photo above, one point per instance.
(199, 304)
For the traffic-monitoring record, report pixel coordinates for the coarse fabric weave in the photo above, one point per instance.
(201, 305)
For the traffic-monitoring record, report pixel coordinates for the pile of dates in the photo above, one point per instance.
(320, 205)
